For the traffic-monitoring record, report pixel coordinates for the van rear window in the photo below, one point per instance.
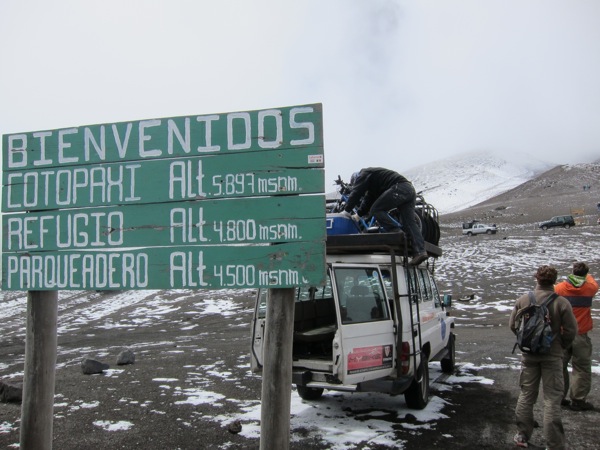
(361, 295)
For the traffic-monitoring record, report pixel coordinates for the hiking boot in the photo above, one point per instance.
(418, 259)
(581, 405)
(520, 440)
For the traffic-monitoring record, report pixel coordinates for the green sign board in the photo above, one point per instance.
(210, 201)
(164, 180)
(206, 222)
(184, 267)
(235, 132)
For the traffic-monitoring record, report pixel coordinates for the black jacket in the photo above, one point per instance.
(369, 185)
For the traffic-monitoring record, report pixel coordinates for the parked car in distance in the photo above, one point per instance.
(480, 228)
(558, 221)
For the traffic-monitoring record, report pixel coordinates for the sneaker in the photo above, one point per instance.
(418, 259)
(581, 405)
(520, 440)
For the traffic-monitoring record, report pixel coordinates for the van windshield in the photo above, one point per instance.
(361, 295)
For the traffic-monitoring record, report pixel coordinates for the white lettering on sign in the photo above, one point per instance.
(158, 138)
(242, 120)
(187, 269)
(241, 230)
(275, 143)
(309, 126)
(72, 230)
(185, 180)
(88, 138)
(251, 183)
(64, 145)
(186, 226)
(115, 270)
(145, 137)
(207, 121)
(96, 184)
(286, 231)
(274, 277)
(235, 275)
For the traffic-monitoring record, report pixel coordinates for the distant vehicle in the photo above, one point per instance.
(558, 221)
(480, 228)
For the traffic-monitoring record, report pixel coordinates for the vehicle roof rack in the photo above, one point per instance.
(373, 243)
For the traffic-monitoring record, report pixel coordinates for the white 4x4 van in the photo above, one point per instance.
(374, 326)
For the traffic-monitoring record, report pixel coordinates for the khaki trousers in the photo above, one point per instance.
(580, 356)
(548, 370)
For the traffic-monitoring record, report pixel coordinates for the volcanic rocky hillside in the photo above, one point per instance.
(568, 189)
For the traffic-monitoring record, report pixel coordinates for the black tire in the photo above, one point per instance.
(430, 229)
(469, 234)
(567, 225)
(449, 362)
(488, 232)
(544, 228)
(417, 395)
(437, 233)
(308, 393)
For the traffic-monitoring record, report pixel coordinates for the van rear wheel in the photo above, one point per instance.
(308, 393)
(417, 395)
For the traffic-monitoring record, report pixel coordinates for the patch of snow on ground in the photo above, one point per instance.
(109, 425)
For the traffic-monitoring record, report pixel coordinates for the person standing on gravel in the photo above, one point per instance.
(579, 288)
(377, 190)
(547, 368)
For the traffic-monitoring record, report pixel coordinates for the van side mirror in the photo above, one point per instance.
(447, 300)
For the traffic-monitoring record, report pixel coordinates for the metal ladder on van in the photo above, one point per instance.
(415, 327)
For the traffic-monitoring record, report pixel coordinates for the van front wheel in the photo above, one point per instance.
(308, 393)
(417, 395)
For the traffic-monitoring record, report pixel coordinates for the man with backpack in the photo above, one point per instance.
(579, 288)
(545, 365)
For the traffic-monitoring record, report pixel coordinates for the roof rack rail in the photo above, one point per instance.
(373, 243)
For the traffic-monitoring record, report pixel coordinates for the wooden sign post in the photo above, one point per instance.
(233, 200)
(39, 373)
(277, 370)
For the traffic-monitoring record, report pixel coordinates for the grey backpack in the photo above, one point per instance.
(534, 333)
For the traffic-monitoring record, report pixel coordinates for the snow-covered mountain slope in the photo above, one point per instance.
(461, 181)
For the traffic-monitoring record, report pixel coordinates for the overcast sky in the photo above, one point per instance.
(402, 82)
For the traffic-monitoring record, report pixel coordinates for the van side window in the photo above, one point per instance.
(435, 292)
(424, 285)
(387, 283)
(361, 294)
(413, 287)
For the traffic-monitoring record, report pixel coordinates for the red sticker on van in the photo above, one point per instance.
(365, 359)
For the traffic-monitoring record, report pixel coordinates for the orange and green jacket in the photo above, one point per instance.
(579, 291)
